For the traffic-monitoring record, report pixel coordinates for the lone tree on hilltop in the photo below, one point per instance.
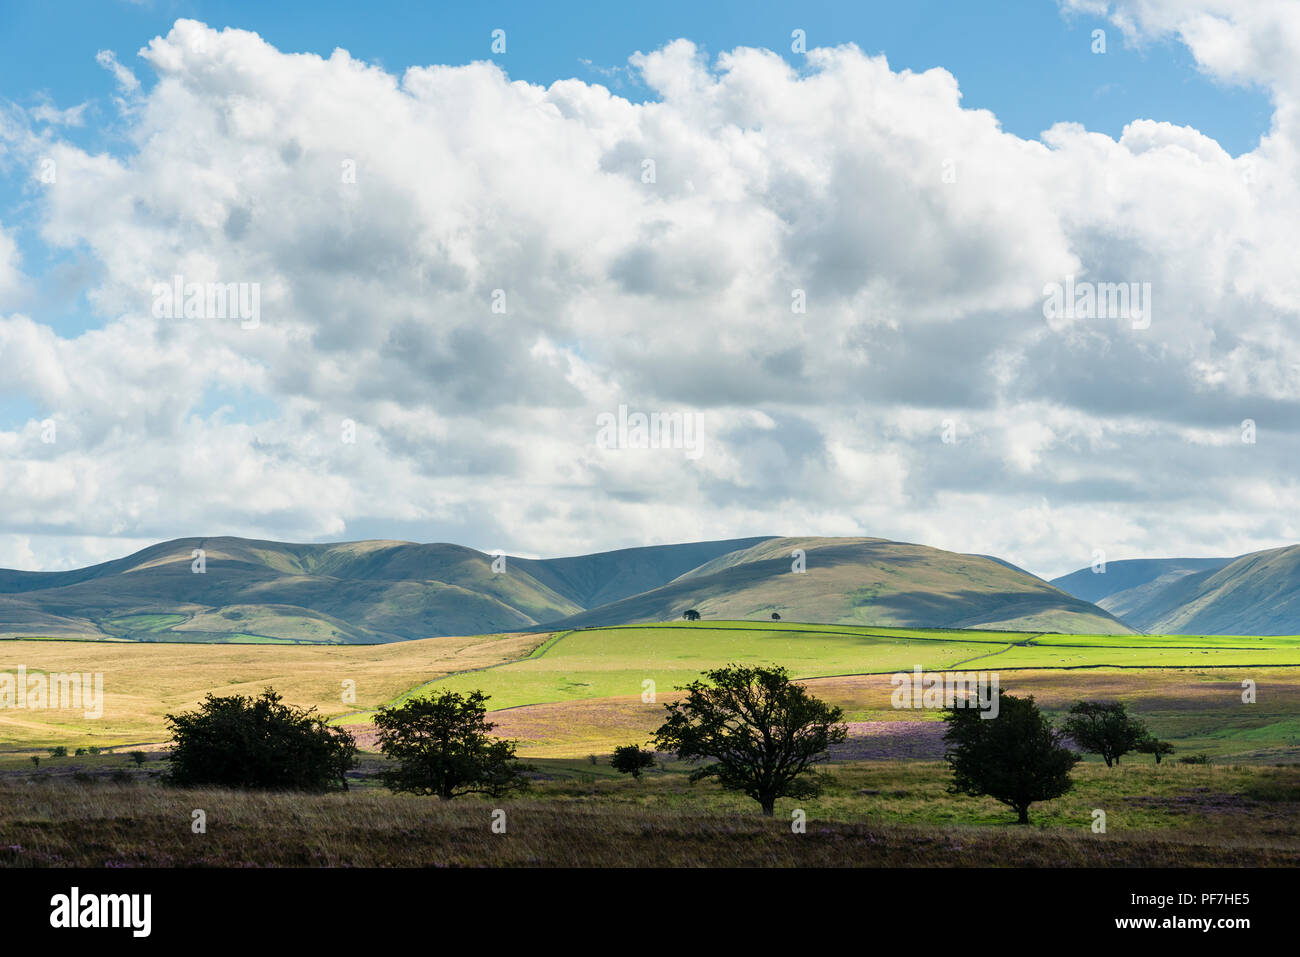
(260, 743)
(443, 746)
(1105, 728)
(690, 614)
(775, 616)
(632, 759)
(1017, 758)
(763, 732)
(1150, 745)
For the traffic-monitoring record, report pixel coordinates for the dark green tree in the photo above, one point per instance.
(1017, 758)
(775, 616)
(1105, 728)
(257, 743)
(762, 731)
(1150, 745)
(443, 746)
(690, 614)
(631, 759)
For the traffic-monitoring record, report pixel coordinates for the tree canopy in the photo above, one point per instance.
(762, 732)
(631, 759)
(442, 745)
(1105, 728)
(1151, 745)
(1017, 758)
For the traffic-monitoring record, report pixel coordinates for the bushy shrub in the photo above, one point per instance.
(258, 743)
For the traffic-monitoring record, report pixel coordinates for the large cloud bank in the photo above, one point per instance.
(835, 274)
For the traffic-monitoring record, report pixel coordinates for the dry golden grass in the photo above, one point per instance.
(1197, 709)
(144, 681)
(877, 813)
(567, 729)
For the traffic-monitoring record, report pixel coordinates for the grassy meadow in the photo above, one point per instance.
(567, 693)
(1197, 710)
(145, 681)
(880, 813)
(569, 698)
(607, 662)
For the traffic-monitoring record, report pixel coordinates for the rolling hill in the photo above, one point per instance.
(355, 592)
(866, 581)
(1132, 577)
(594, 580)
(1254, 594)
(382, 591)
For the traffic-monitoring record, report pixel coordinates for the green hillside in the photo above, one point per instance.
(354, 592)
(381, 591)
(1121, 586)
(1255, 594)
(867, 581)
(1258, 593)
(594, 580)
(617, 661)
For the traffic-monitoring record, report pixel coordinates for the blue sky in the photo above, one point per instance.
(1024, 60)
(1019, 58)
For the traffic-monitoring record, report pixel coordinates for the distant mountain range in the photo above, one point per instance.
(1254, 594)
(380, 591)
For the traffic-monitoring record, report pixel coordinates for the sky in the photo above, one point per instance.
(827, 247)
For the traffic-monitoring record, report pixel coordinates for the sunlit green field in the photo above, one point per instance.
(570, 698)
(605, 662)
(590, 682)
(609, 662)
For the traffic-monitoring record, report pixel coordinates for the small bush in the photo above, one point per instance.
(632, 760)
(1194, 759)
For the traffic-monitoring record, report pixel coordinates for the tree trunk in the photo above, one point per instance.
(1024, 814)
(769, 808)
